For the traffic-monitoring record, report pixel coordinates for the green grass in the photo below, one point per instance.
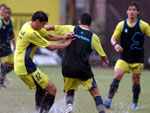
(17, 98)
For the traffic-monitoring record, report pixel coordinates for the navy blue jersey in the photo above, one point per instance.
(6, 31)
(75, 62)
(132, 41)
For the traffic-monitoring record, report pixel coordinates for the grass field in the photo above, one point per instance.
(17, 98)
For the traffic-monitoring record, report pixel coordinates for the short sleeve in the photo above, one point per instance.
(117, 33)
(43, 32)
(96, 45)
(38, 40)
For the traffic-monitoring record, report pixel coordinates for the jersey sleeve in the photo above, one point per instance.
(43, 32)
(117, 33)
(96, 45)
(64, 29)
(145, 28)
(37, 39)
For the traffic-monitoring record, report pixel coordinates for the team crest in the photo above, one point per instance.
(4, 27)
(126, 30)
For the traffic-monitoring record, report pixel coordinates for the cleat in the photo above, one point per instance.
(134, 106)
(8, 79)
(107, 103)
(69, 108)
(2, 86)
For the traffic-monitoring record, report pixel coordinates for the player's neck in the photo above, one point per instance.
(84, 26)
(132, 20)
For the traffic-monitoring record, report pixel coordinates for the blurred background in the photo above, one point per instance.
(106, 14)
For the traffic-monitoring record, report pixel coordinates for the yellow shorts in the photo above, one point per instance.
(7, 59)
(134, 67)
(35, 78)
(73, 83)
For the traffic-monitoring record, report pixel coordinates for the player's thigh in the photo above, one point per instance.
(28, 80)
(11, 59)
(7, 59)
(137, 68)
(40, 78)
(122, 65)
(71, 84)
(89, 84)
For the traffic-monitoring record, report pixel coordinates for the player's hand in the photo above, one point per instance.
(68, 41)
(105, 63)
(118, 48)
(68, 35)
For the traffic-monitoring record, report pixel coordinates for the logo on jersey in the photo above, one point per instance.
(4, 27)
(126, 30)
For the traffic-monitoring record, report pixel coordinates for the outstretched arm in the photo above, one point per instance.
(54, 37)
(60, 46)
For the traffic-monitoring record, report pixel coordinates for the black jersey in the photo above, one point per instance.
(132, 41)
(5, 37)
(76, 56)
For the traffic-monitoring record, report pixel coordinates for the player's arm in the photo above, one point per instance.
(37, 39)
(96, 45)
(145, 27)
(54, 37)
(115, 37)
(60, 45)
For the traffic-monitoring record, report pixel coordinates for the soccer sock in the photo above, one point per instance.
(69, 99)
(47, 102)
(136, 89)
(39, 96)
(113, 88)
(6, 69)
(99, 104)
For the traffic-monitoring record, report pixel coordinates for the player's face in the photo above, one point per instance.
(7, 14)
(40, 25)
(2, 10)
(132, 12)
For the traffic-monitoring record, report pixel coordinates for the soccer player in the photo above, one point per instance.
(131, 33)
(31, 36)
(75, 67)
(6, 54)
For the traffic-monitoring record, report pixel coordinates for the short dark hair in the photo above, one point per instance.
(133, 4)
(42, 16)
(2, 5)
(86, 19)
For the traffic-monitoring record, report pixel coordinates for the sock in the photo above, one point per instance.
(113, 88)
(39, 96)
(47, 102)
(5, 70)
(99, 104)
(136, 89)
(69, 99)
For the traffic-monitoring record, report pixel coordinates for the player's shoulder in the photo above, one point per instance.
(121, 23)
(142, 22)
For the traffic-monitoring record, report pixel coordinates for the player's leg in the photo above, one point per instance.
(49, 98)
(70, 86)
(98, 100)
(69, 101)
(120, 68)
(11, 67)
(43, 81)
(136, 89)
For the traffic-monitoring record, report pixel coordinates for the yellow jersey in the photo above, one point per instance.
(27, 43)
